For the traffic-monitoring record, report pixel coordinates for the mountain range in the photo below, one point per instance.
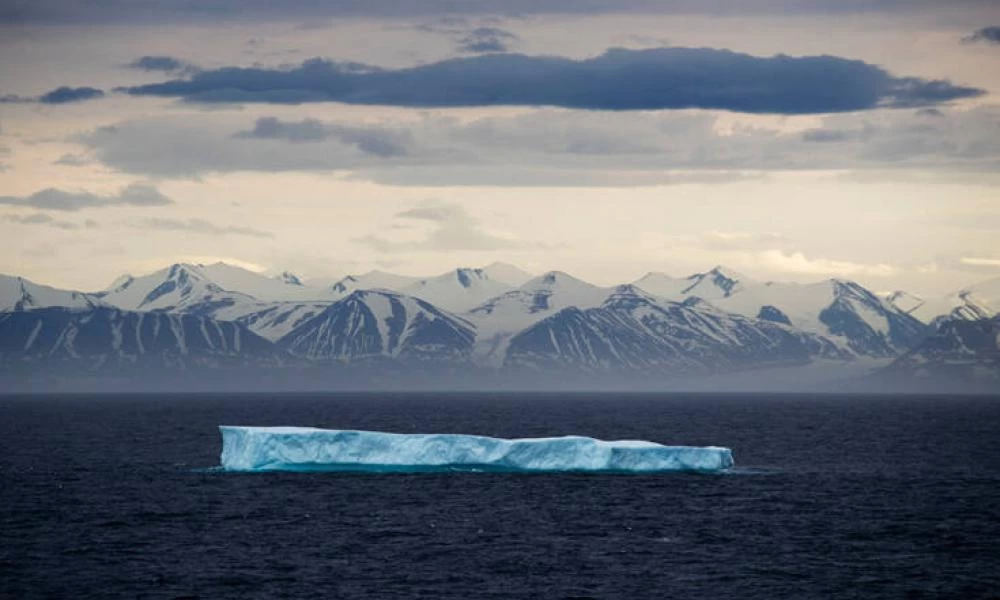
(498, 325)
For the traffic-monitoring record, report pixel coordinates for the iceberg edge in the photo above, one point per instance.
(305, 449)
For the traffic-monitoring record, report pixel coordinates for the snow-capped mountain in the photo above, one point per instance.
(507, 273)
(175, 288)
(841, 310)
(106, 338)
(634, 331)
(270, 307)
(980, 301)
(17, 293)
(183, 285)
(500, 318)
(371, 324)
(961, 352)
(720, 282)
(457, 291)
(904, 301)
(372, 280)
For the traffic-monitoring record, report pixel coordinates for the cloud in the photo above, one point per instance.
(46, 220)
(164, 64)
(297, 11)
(986, 35)
(452, 229)
(618, 80)
(730, 240)
(136, 194)
(980, 262)
(798, 262)
(199, 226)
(486, 39)
(65, 94)
(370, 140)
(73, 160)
(821, 135)
(60, 95)
(553, 147)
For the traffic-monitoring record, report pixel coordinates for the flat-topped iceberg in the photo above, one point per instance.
(309, 449)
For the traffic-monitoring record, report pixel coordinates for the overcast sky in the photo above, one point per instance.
(787, 140)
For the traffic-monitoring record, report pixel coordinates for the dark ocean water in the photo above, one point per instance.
(836, 497)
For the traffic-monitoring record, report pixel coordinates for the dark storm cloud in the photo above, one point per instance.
(164, 11)
(65, 94)
(163, 64)
(486, 39)
(619, 79)
(370, 140)
(986, 35)
(136, 194)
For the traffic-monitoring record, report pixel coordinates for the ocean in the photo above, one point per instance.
(833, 497)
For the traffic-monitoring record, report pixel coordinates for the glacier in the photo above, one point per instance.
(254, 449)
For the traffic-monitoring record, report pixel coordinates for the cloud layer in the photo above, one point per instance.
(199, 226)
(986, 35)
(619, 79)
(135, 194)
(161, 11)
(549, 147)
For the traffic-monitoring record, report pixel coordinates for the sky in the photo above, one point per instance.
(790, 141)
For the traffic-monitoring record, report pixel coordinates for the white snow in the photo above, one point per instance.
(309, 449)
(500, 318)
(458, 290)
(507, 273)
(974, 302)
(17, 293)
(372, 280)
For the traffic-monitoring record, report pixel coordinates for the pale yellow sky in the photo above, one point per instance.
(606, 196)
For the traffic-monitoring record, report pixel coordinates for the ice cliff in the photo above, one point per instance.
(309, 449)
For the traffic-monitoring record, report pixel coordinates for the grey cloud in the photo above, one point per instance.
(135, 194)
(821, 135)
(295, 11)
(618, 80)
(73, 160)
(65, 95)
(60, 95)
(46, 220)
(563, 148)
(486, 39)
(378, 142)
(986, 35)
(454, 229)
(200, 226)
(164, 64)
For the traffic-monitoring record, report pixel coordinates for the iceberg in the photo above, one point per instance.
(252, 449)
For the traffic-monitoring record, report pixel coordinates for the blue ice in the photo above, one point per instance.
(308, 449)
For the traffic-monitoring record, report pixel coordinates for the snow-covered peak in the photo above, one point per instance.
(122, 281)
(720, 282)
(372, 280)
(507, 273)
(458, 291)
(979, 301)
(288, 278)
(904, 301)
(18, 293)
(663, 285)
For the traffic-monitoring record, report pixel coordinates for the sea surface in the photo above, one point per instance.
(833, 497)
